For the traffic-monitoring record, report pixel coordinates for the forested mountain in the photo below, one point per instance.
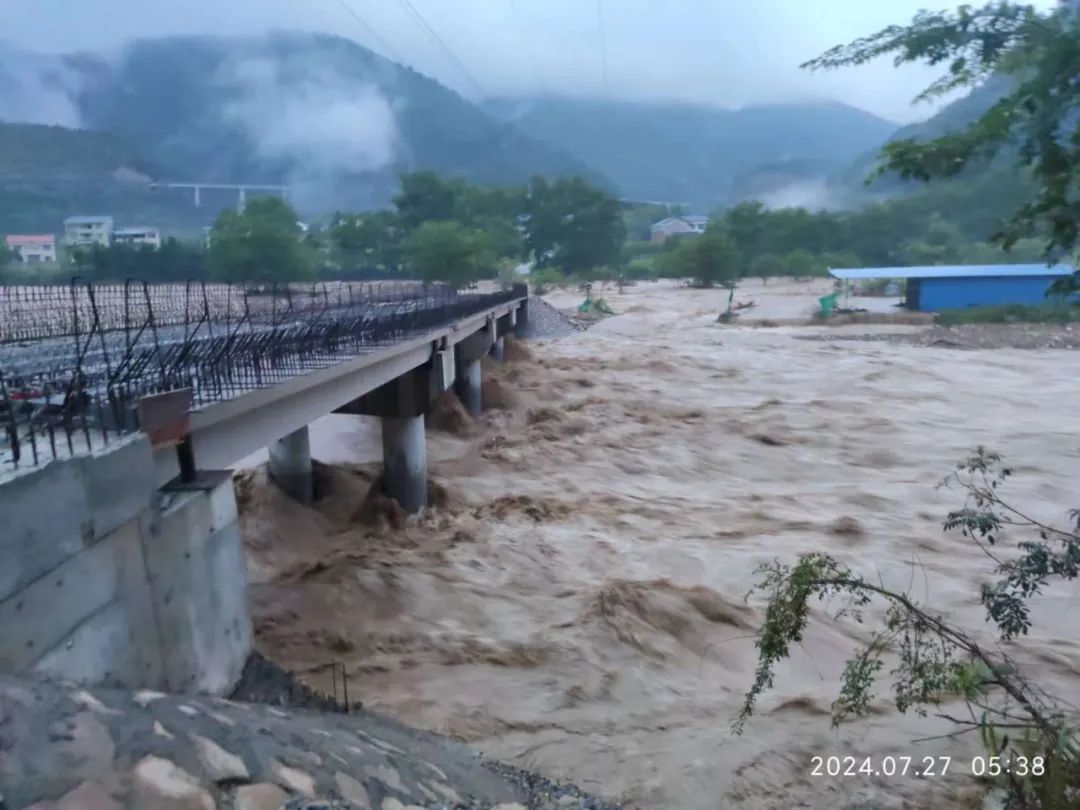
(703, 155)
(953, 117)
(319, 112)
(48, 173)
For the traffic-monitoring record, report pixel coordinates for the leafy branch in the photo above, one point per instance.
(933, 660)
(1036, 122)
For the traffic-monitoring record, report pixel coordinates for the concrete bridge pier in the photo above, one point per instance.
(400, 405)
(468, 385)
(467, 356)
(290, 466)
(405, 460)
(498, 351)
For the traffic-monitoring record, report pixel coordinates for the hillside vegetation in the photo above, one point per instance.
(701, 155)
(49, 173)
(305, 108)
(318, 112)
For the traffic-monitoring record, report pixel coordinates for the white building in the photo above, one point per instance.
(33, 249)
(678, 226)
(88, 231)
(137, 237)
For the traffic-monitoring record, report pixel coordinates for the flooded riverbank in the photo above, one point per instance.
(574, 603)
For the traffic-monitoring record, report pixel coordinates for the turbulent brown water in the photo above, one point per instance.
(574, 603)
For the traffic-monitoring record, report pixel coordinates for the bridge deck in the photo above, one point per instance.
(75, 361)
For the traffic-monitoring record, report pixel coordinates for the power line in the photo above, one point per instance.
(386, 46)
(603, 40)
(431, 33)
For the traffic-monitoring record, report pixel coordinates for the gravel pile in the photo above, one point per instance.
(978, 336)
(540, 793)
(547, 322)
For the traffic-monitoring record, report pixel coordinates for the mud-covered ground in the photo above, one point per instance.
(574, 602)
(977, 336)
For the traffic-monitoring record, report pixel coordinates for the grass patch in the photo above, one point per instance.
(1012, 313)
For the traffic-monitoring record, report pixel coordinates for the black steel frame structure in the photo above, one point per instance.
(76, 359)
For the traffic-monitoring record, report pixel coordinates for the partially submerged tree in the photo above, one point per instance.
(708, 259)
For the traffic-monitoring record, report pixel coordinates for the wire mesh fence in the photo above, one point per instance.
(75, 359)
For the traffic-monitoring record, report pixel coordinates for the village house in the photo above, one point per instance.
(677, 226)
(34, 248)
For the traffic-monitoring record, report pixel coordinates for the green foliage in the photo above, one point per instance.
(766, 265)
(640, 270)
(174, 261)
(708, 259)
(932, 659)
(448, 252)
(802, 263)
(7, 256)
(682, 153)
(262, 244)
(572, 225)
(1034, 122)
(936, 226)
(546, 279)
(1052, 312)
(427, 197)
(369, 244)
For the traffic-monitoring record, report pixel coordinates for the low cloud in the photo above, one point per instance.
(315, 121)
(38, 89)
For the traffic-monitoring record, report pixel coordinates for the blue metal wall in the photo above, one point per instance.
(956, 293)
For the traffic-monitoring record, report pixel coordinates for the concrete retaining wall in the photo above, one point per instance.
(103, 579)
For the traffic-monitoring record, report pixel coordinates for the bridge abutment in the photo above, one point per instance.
(108, 580)
(290, 466)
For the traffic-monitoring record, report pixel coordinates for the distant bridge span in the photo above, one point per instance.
(242, 190)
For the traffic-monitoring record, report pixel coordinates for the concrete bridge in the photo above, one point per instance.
(121, 559)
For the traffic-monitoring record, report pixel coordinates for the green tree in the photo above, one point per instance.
(427, 196)
(1035, 122)
(261, 244)
(368, 243)
(573, 225)
(802, 263)
(7, 256)
(748, 225)
(708, 259)
(766, 265)
(942, 243)
(448, 252)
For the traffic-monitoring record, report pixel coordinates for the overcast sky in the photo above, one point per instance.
(728, 52)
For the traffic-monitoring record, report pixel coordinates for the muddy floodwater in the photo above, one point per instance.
(574, 603)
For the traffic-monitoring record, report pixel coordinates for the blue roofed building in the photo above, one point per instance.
(930, 289)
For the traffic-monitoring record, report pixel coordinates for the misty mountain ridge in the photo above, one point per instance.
(339, 123)
(320, 113)
(701, 155)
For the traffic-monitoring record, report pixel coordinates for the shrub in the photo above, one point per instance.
(543, 281)
(1058, 312)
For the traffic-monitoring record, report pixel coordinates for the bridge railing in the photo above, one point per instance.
(76, 359)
